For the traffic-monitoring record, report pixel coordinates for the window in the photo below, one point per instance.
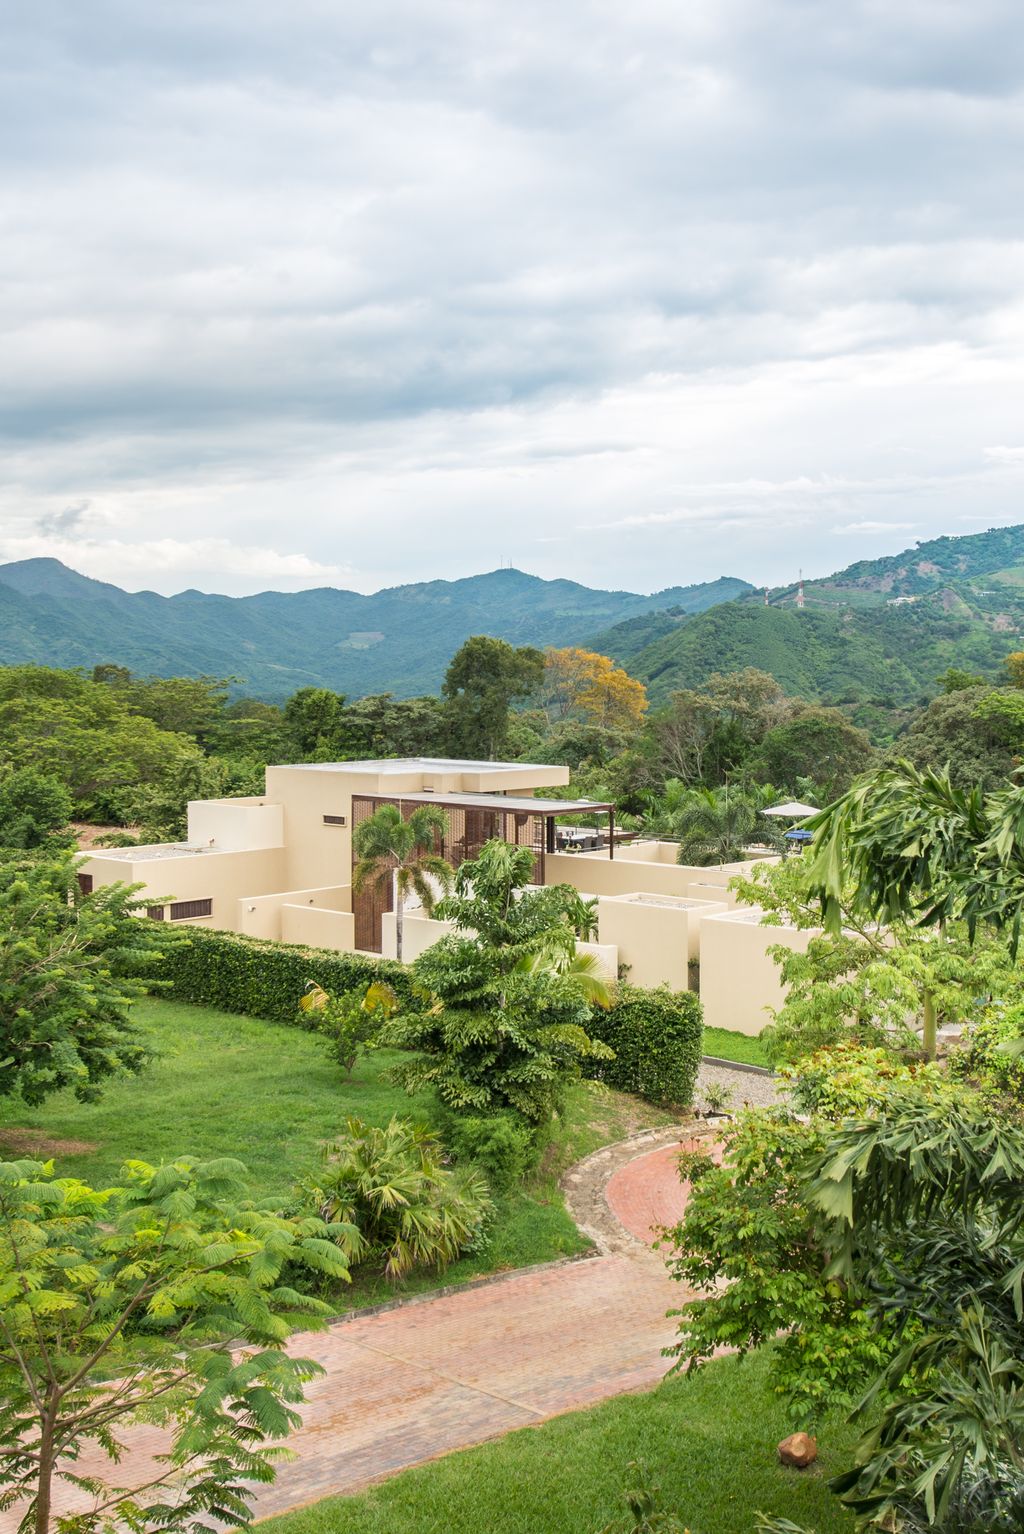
(85, 883)
(183, 909)
(155, 912)
(335, 820)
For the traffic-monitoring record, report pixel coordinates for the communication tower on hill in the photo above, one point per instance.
(800, 591)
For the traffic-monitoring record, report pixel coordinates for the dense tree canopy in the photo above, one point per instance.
(485, 678)
(166, 1300)
(35, 809)
(65, 987)
(819, 744)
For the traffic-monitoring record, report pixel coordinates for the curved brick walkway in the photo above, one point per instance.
(646, 1194)
(412, 1383)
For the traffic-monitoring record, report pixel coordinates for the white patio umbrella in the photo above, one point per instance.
(791, 811)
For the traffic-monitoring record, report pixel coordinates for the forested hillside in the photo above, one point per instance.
(398, 641)
(879, 632)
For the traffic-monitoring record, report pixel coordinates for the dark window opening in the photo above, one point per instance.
(335, 820)
(85, 883)
(155, 912)
(182, 909)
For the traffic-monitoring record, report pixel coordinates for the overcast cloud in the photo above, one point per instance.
(315, 292)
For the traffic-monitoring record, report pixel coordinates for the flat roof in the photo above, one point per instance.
(522, 805)
(153, 853)
(418, 764)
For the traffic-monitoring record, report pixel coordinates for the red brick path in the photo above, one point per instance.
(413, 1383)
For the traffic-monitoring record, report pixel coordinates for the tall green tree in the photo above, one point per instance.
(313, 715)
(165, 1302)
(819, 744)
(484, 679)
(508, 1027)
(909, 846)
(865, 982)
(921, 1210)
(380, 726)
(402, 852)
(871, 1238)
(66, 962)
(35, 809)
(83, 732)
(716, 826)
(954, 734)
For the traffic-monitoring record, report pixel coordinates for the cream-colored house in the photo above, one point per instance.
(279, 866)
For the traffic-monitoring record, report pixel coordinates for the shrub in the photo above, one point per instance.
(503, 1145)
(391, 1187)
(261, 978)
(657, 1036)
(985, 1057)
(348, 1022)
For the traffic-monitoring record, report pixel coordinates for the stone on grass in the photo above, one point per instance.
(798, 1450)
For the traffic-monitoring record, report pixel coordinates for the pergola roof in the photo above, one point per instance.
(506, 803)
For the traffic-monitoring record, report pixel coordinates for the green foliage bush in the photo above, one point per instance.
(657, 1036)
(392, 1200)
(266, 979)
(502, 1145)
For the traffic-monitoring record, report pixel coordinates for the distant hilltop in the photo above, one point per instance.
(399, 640)
(879, 631)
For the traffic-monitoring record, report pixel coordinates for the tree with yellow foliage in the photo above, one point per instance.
(582, 684)
(1014, 664)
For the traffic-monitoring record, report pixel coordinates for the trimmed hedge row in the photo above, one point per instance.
(657, 1037)
(261, 978)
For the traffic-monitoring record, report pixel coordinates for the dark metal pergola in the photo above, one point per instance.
(473, 820)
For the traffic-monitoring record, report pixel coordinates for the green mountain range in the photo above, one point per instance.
(876, 633)
(880, 631)
(398, 640)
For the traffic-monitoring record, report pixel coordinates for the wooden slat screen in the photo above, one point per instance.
(469, 827)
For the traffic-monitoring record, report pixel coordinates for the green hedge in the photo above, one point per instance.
(657, 1037)
(266, 979)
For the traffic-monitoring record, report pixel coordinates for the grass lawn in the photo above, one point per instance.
(734, 1046)
(709, 1441)
(223, 1085)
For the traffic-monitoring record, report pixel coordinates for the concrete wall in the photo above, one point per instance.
(260, 915)
(418, 932)
(235, 825)
(738, 979)
(319, 854)
(315, 927)
(598, 874)
(607, 956)
(657, 941)
(213, 875)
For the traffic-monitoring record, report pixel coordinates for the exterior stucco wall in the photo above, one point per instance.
(656, 941)
(260, 915)
(315, 927)
(602, 875)
(235, 825)
(738, 979)
(418, 932)
(215, 876)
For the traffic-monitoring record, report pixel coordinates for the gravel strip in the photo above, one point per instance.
(758, 1091)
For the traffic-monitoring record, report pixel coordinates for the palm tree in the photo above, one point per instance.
(565, 963)
(714, 827)
(390, 847)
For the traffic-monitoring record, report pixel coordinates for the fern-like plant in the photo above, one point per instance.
(392, 1185)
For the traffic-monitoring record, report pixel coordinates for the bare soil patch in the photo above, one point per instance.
(33, 1142)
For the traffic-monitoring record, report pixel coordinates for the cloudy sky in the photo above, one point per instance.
(316, 292)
